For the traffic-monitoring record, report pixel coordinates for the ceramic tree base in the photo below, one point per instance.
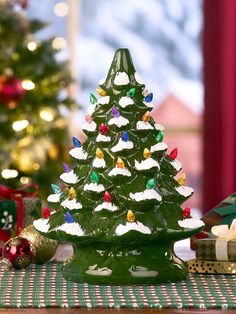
(124, 265)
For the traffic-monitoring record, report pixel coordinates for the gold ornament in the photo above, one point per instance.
(146, 153)
(146, 117)
(130, 216)
(120, 163)
(182, 179)
(99, 153)
(72, 193)
(101, 91)
(44, 247)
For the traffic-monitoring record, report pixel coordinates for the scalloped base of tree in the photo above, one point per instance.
(118, 265)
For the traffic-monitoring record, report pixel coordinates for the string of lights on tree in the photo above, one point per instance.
(33, 91)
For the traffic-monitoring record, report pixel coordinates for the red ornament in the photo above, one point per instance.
(107, 197)
(103, 129)
(11, 91)
(46, 212)
(174, 153)
(187, 212)
(19, 252)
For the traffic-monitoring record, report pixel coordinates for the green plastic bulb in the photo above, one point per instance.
(150, 184)
(92, 99)
(94, 177)
(131, 92)
(160, 136)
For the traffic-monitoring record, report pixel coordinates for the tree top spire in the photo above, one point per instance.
(122, 62)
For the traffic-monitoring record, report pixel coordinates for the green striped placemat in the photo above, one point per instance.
(43, 286)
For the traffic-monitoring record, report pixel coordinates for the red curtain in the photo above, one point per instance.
(219, 40)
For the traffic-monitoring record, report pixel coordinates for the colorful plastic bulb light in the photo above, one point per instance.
(56, 189)
(174, 153)
(76, 142)
(69, 218)
(107, 197)
(115, 112)
(125, 136)
(149, 97)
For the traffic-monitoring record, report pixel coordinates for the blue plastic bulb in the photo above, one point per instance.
(149, 97)
(125, 136)
(69, 218)
(56, 189)
(76, 142)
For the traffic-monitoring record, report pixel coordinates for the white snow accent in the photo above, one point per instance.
(121, 145)
(93, 270)
(119, 121)
(78, 153)
(117, 170)
(91, 127)
(106, 205)
(54, 198)
(71, 228)
(126, 101)
(99, 163)
(138, 78)
(140, 271)
(41, 225)
(158, 147)
(159, 127)
(184, 190)
(148, 194)
(71, 204)
(102, 138)
(121, 78)
(69, 177)
(102, 81)
(137, 226)
(141, 125)
(148, 104)
(176, 164)
(91, 109)
(94, 187)
(146, 164)
(191, 223)
(103, 100)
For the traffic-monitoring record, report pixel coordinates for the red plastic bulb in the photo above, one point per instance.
(103, 129)
(45, 212)
(107, 197)
(186, 212)
(174, 153)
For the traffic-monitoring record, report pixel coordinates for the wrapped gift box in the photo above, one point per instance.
(206, 249)
(211, 267)
(18, 209)
(223, 214)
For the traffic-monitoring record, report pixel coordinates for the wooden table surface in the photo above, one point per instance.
(183, 251)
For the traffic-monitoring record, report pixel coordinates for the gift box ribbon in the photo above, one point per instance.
(223, 234)
(28, 190)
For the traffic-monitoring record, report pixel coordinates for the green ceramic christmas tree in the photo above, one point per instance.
(122, 208)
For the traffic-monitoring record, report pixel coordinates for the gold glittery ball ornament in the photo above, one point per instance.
(44, 248)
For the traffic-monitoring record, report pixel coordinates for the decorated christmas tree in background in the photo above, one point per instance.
(122, 205)
(33, 132)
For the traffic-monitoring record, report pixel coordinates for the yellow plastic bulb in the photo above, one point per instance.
(130, 216)
(72, 193)
(182, 179)
(146, 153)
(101, 91)
(99, 153)
(120, 163)
(146, 117)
